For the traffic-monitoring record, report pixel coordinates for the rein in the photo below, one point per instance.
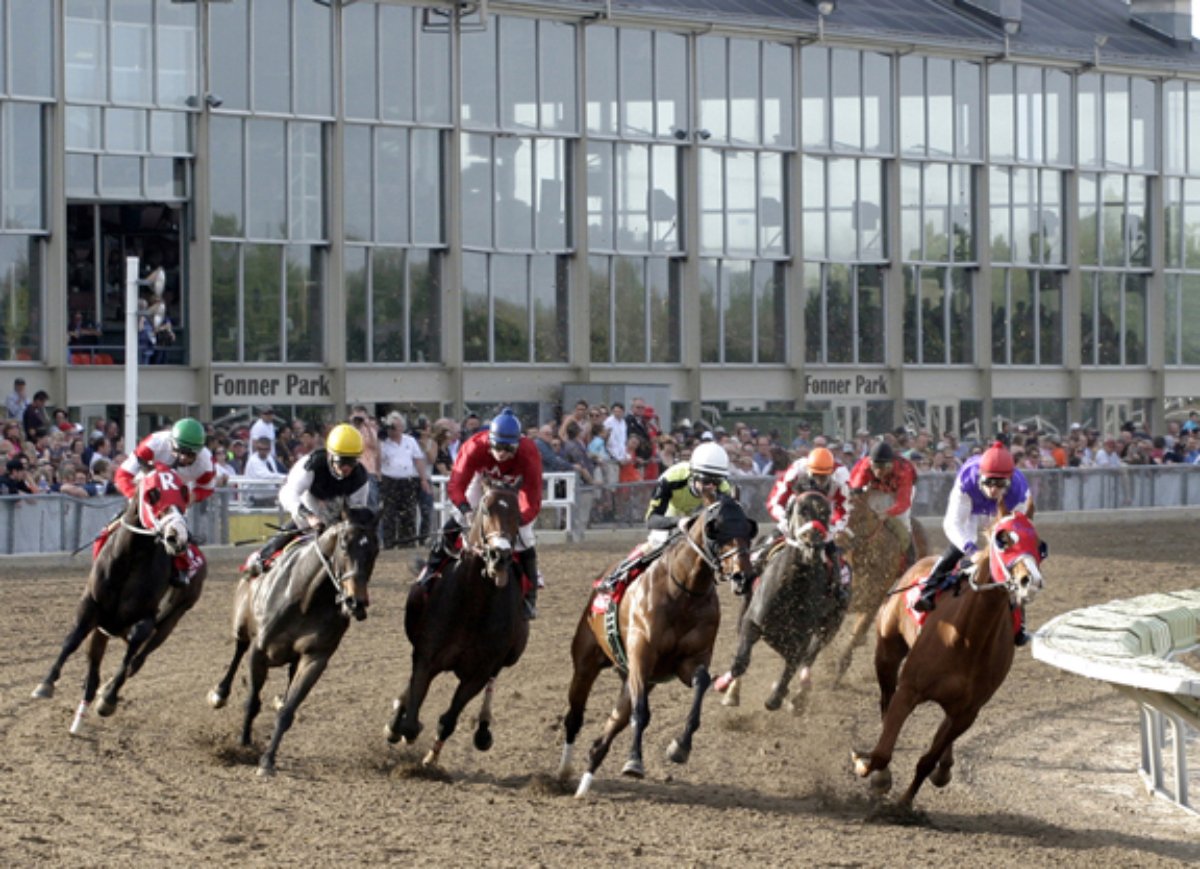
(327, 565)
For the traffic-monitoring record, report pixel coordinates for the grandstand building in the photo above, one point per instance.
(942, 210)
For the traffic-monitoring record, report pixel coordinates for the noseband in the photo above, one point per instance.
(796, 537)
(160, 525)
(338, 580)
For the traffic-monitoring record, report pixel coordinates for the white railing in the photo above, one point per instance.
(1135, 645)
(558, 491)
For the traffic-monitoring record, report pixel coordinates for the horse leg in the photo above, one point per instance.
(406, 725)
(903, 702)
(217, 696)
(589, 659)
(780, 689)
(163, 626)
(257, 666)
(85, 621)
(483, 728)
(639, 694)
(97, 643)
(951, 729)
(944, 771)
(448, 723)
(138, 636)
(681, 748)
(858, 637)
(307, 673)
(599, 750)
(889, 655)
(729, 684)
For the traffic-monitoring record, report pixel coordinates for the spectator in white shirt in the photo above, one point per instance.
(261, 464)
(264, 426)
(404, 472)
(618, 432)
(1108, 456)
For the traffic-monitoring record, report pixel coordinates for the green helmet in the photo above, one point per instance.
(187, 434)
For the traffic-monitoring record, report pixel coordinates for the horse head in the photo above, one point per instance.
(808, 521)
(1015, 555)
(494, 531)
(726, 533)
(160, 508)
(352, 544)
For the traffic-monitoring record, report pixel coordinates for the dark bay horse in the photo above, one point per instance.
(128, 593)
(663, 627)
(877, 557)
(959, 657)
(797, 606)
(296, 614)
(471, 622)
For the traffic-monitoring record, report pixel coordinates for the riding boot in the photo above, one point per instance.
(179, 578)
(1022, 636)
(929, 588)
(256, 563)
(528, 561)
(444, 542)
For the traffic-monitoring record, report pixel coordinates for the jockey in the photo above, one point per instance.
(894, 476)
(504, 455)
(981, 483)
(181, 449)
(313, 484)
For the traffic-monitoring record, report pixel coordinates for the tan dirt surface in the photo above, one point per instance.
(1046, 776)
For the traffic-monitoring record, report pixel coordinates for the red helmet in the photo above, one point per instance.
(997, 461)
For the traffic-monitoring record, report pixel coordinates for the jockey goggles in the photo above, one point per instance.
(994, 483)
(345, 461)
(707, 479)
(504, 448)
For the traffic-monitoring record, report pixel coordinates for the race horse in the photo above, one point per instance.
(663, 626)
(961, 654)
(877, 558)
(470, 621)
(128, 592)
(296, 614)
(797, 606)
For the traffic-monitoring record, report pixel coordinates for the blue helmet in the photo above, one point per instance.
(505, 429)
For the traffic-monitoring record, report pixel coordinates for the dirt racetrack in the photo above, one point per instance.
(1046, 777)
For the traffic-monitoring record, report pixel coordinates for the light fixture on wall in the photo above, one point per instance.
(1099, 42)
(213, 101)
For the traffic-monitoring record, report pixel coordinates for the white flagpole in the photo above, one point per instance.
(131, 352)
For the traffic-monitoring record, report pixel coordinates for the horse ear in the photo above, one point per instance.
(1043, 551)
(753, 529)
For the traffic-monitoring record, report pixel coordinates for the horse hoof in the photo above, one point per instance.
(43, 692)
(106, 707)
(676, 753)
(266, 770)
(731, 699)
(392, 736)
(941, 776)
(633, 769)
(216, 700)
(862, 764)
(798, 705)
(773, 703)
(483, 739)
(430, 760)
(881, 781)
(585, 785)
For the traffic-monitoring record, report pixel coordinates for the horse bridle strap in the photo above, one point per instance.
(328, 566)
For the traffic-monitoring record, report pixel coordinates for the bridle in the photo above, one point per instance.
(710, 554)
(492, 547)
(1001, 573)
(160, 524)
(797, 537)
(342, 599)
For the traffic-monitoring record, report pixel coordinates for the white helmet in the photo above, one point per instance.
(710, 460)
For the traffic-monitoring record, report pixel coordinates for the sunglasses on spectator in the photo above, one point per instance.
(994, 483)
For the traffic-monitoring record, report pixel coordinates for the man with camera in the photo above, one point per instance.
(368, 427)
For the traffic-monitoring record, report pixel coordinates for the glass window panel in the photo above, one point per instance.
(1000, 112)
(847, 100)
(599, 195)
(814, 320)
(664, 198)
(843, 195)
(939, 81)
(962, 212)
(175, 56)
(518, 73)
(962, 317)
(772, 239)
(479, 68)
(671, 83)
(1109, 326)
(1172, 217)
(712, 201)
(313, 58)
(1174, 127)
(1090, 119)
(912, 277)
(912, 104)
(86, 49)
(713, 86)
(637, 83)
(125, 130)
(305, 303)
(357, 204)
(737, 311)
(814, 105)
(967, 100)
(550, 190)
(396, 59)
(1050, 317)
(1172, 334)
(1114, 220)
(225, 301)
(270, 59)
(357, 315)
(549, 300)
(169, 133)
(29, 49)
(20, 297)
(425, 306)
(359, 68)
(426, 174)
(744, 93)
(228, 184)
(1087, 318)
(514, 193)
(1116, 121)
(600, 305)
(1189, 319)
(1135, 320)
(1089, 220)
(870, 315)
(557, 52)
(1193, 136)
(391, 180)
(83, 127)
(814, 207)
(1191, 223)
(132, 73)
(1029, 114)
(23, 166)
(839, 314)
(741, 231)
(933, 316)
(1058, 117)
(911, 233)
(510, 304)
(81, 175)
(228, 53)
(477, 190)
(769, 313)
(601, 79)
(1051, 218)
(630, 306)
(306, 175)
(1023, 316)
(266, 213)
(1137, 222)
(433, 77)
(868, 210)
(937, 212)
(777, 95)
(633, 193)
(664, 311)
(388, 282)
(475, 309)
(710, 317)
(1025, 214)
(263, 297)
(1142, 115)
(162, 179)
(877, 103)
(1000, 311)
(121, 176)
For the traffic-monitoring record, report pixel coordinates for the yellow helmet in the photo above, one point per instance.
(820, 462)
(344, 440)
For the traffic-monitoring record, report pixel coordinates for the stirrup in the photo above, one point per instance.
(1022, 637)
(927, 602)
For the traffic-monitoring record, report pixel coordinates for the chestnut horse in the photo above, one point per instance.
(877, 557)
(296, 614)
(664, 626)
(797, 606)
(959, 657)
(128, 594)
(470, 622)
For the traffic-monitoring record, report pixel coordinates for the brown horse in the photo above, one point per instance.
(471, 622)
(128, 593)
(664, 626)
(959, 657)
(296, 613)
(877, 557)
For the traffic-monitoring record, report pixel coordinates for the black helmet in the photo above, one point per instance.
(882, 453)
